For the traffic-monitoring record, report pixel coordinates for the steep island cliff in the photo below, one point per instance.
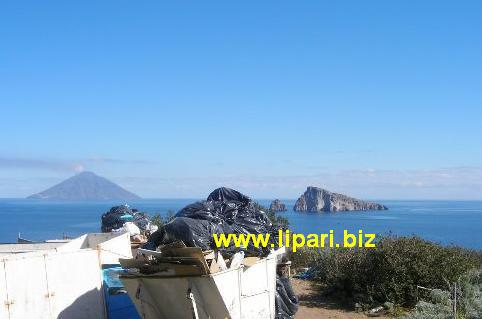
(316, 199)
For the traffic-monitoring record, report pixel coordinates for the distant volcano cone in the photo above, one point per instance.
(85, 186)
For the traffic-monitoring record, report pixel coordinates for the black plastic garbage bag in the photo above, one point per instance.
(286, 302)
(116, 217)
(192, 232)
(142, 220)
(224, 194)
(225, 211)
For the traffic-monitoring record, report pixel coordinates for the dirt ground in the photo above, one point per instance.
(314, 307)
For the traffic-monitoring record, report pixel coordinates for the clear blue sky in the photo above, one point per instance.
(378, 99)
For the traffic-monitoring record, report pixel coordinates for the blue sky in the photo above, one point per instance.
(378, 99)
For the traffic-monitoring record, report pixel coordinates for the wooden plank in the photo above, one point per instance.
(182, 269)
(148, 252)
(213, 266)
(132, 263)
(184, 252)
(189, 252)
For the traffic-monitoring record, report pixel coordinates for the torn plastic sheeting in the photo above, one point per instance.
(224, 194)
(225, 211)
(286, 302)
(142, 220)
(118, 216)
(307, 275)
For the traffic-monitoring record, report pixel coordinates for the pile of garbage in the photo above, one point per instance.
(125, 219)
(225, 211)
(177, 259)
(185, 246)
(286, 302)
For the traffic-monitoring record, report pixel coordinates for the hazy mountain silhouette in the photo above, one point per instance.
(85, 186)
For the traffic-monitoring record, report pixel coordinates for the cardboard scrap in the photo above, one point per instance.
(132, 263)
(169, 269)
(174, 245)
(208, 254)
(250, 261)
(213, 266)
(194, 253)
(176, 259)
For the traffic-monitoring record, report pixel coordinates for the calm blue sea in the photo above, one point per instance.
(447, 222)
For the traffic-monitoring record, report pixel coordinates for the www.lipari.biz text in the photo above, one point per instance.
(296, 241)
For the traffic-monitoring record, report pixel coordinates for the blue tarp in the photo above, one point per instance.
(118, 303)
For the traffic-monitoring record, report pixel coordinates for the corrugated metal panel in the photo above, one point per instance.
(19, 248)
(256, 306)
(228, 284)
(257, 290)
(75, 244)
(245, 292)
(74, 280)
(272, 284)
(27, 287)
(60, 283)
(3, 293)
(254, 280)
(111, 248)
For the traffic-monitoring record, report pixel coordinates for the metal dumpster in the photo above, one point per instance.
(244, 292)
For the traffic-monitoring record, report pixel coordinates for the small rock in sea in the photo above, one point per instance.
(277, 206)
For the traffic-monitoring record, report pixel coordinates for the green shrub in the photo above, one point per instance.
(439, 304)
(305, 257)
(392, 270)
(427, 310)
(159, 221)
(469, 294)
